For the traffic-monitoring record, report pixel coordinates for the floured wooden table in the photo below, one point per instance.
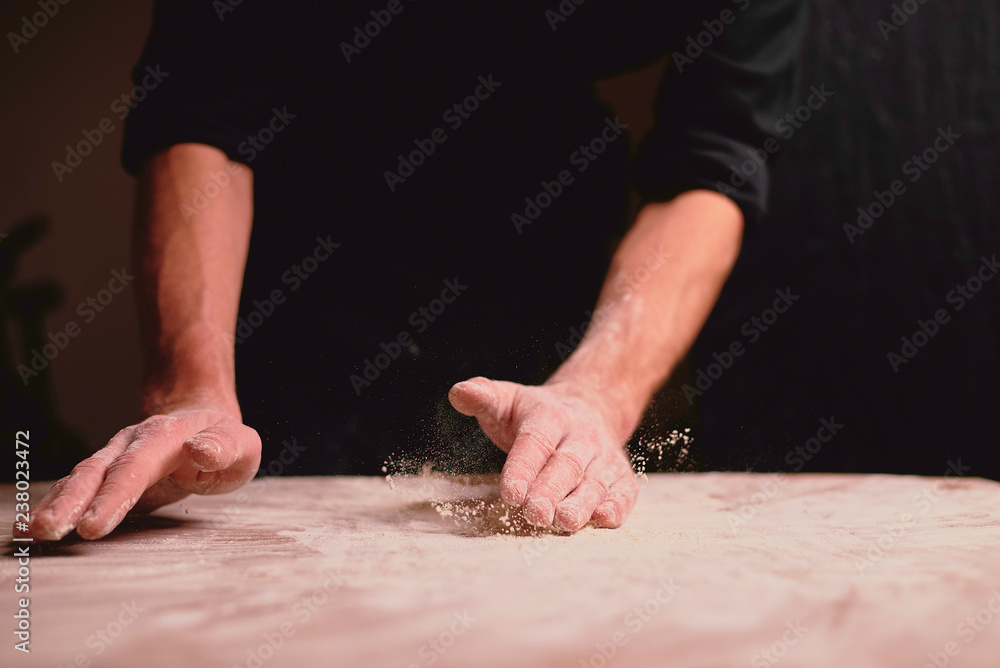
(711, 570)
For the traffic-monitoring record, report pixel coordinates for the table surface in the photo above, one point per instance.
(716, 569)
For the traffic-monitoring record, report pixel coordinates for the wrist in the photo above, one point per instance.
(621, 404)
(191, 368)
(162, 399)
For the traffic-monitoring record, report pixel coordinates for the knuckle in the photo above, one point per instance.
(544, 489)
(127, 460)
(58, 487)
(154, 421)
(123, 433)
(92, 464)
(517, 468)
(538, 439)
(571, 462)
(601, 487)
(154, 424)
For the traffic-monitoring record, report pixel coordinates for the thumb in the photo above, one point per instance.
(225, 456)
(489, 402)
(213, 448)
(477, 397)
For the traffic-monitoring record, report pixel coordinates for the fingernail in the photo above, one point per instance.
(568, 517)
(513, 492)
(205, 453)
(539, 512)
(58, 532)
(606, 515)
(42, 527)
(86, 519)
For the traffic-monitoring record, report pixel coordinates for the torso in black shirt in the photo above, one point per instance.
(512, 216)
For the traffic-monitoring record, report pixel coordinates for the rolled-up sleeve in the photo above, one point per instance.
(203, 85)
(720, 106)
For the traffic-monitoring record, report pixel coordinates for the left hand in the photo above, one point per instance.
(566, 462)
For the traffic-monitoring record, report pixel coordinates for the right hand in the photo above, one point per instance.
(197, 449)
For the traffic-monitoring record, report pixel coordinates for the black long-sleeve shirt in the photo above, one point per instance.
(437, 189)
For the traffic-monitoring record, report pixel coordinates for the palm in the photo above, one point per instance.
(566, 465)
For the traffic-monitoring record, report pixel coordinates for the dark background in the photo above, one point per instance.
(825, 357)
(828, 354)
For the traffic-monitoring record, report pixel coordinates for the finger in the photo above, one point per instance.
(475, 397)
(147, 459)
(160, 494)
(537, 439)
(214, 448)
(573, 512)
(223, 457)
(614, 510)
(59, 511)
(490, 402)
(561, 474)
(43, 523)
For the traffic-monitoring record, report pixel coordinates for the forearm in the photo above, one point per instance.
(190, 276)
(662, 284)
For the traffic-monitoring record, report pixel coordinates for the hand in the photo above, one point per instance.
(195, 449)
(566, 461)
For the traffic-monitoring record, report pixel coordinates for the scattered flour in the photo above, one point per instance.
(473, 502)
(650, 452)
